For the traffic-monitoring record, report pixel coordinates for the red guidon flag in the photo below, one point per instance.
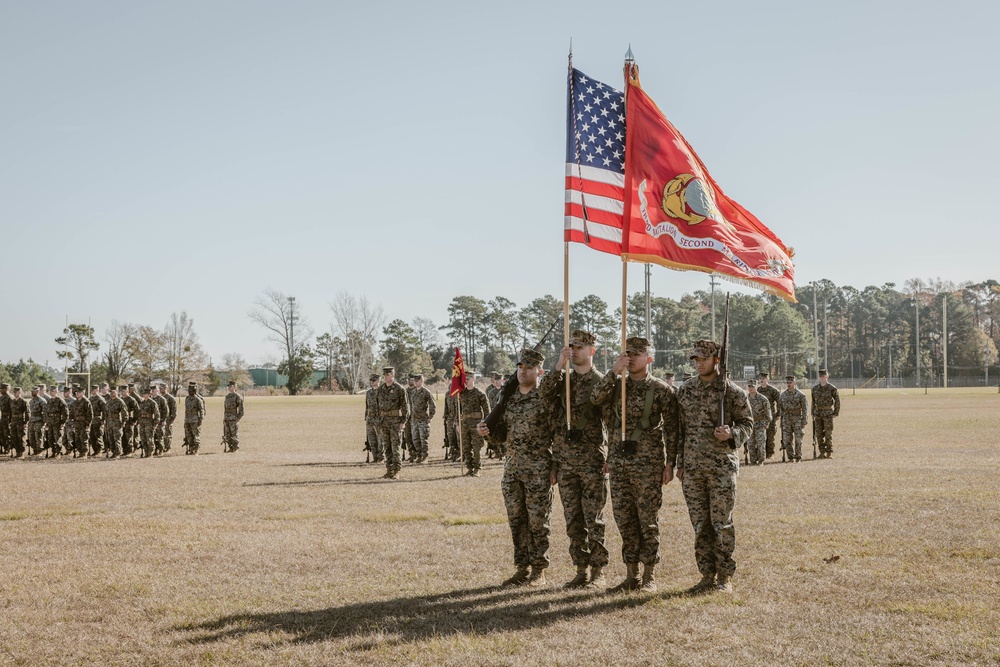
(678, 217)
(457, 374)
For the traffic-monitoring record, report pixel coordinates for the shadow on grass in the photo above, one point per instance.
(369, 625)
(350, 482)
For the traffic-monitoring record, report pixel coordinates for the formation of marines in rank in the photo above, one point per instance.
(581, 447)
(115, 421)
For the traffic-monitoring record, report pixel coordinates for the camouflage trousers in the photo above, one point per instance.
(408, 437)
(391, 436)
(147, 437)
(113, 437)
(757, 444)
(16, 442)
(130, 437)
(192, 436)
(451, 437)
(371, 433)
(472, 443)
(81, 438)
(710, 495)
(584, 493)
(791, 438)
(527, 496)
(420, 430)
(36, 436)
(4, 436)
(53, 437)
(97, 437)
(771, 428)
(168, 435)
(636, 497)
(824, 433)
(231, 434)
(158, 437)
(67, 438)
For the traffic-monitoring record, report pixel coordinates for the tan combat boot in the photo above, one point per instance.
(518, 577)
(537, 577)
(723, 585)
(580, 580)
(706, 584)
(631, 580)
(597, 579)
(648, 579)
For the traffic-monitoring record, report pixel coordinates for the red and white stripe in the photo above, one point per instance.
(601, 193)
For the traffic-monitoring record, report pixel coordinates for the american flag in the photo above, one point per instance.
(595, 163)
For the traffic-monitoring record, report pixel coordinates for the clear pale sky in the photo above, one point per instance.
(167, 156)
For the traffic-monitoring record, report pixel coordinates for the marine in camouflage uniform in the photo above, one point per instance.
(579, 456)
(160, 427)
(371, 420)
(117, 416)
(527, 472)
(82, 416)
(760, 405)
(98, 407)
(232, 414)
(194, 415)
(18, 420)
(772, 393)
(408, 424)
(168, 423)
(56, 416)
(67, 435)
(129, 442)
(825, 406)
(451, 427)
(473, 408)
(149, 417)
(36, 421)
(639, 465)
(134, 421)
(5, 401)
(422, 409)
(794, 410)
(393, 410)
(708, 464)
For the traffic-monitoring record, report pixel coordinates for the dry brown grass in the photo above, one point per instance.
(293, 552)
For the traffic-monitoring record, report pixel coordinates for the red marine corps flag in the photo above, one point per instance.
(677, 216)
(457, 374)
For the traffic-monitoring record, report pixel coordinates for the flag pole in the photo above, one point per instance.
(629, 63)
(461, 446)
(624, 317)
(566, 281)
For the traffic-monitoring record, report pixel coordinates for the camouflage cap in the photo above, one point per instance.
(374, 377)
(823, 371)
(687, 376)
(77, 389)
(16, 389)
(417, 376)
(762, 376)
(131, 385)
(105, 384)
(34, 390)
(143, 390)
(94, 387)
(388, 369)
(751, 383)
(4, 385)
(668, 375)
(704, 349)
(122, 388)
(65, 388)
(636, 345)
(53, 387)
(580, 338)
(530, 358)
(789, 378)
(496, 376)
(231, 383)
(115, 389)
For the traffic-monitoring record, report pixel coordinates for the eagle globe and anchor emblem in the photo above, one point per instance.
(686, 197)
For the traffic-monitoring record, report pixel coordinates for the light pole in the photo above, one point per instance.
(713, 283)
(815, 327)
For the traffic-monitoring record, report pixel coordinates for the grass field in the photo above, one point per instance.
(294, 552)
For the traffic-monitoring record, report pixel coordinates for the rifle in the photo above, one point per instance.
(368, 449)
(723, 370)
(494, 420)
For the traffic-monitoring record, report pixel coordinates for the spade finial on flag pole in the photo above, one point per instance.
(629, 58)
